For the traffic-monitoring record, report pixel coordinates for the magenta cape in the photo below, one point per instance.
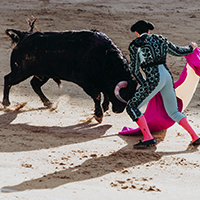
(155, 114)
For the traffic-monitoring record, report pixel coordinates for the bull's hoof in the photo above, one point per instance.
(48, 104)
(98, 119)
(6, 103)
(105, 108)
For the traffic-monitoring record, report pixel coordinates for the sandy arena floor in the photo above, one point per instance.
(63, 154)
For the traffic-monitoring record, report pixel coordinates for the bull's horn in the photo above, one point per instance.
(120, 85)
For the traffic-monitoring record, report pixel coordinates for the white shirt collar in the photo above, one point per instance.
(143, 34)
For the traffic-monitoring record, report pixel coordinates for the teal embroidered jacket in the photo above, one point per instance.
(150, 51)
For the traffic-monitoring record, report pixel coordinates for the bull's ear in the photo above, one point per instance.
(122, 84)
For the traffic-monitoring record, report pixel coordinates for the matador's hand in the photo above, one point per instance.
(194, 45)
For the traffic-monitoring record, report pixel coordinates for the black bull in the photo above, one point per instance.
(88, 58)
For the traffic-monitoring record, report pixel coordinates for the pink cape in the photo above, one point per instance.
(155, 114)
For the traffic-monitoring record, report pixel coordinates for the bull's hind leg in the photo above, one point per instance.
(36, 83)
(7, 86)
(11, 79)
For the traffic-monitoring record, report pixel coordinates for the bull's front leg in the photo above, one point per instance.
(98, 114)
(96, 96)
(105, 103)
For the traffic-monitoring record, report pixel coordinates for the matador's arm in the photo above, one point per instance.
(134, 65)
(178, 51)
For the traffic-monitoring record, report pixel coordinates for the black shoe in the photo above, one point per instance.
(148, 143)
(196, 142)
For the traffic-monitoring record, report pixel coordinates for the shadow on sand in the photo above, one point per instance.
(93, 167)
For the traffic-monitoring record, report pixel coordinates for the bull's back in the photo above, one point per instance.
(65, 41)
(64, 53)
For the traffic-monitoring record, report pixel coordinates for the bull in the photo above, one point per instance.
(87, 58)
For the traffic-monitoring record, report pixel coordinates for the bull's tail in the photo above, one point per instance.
(15, 35)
